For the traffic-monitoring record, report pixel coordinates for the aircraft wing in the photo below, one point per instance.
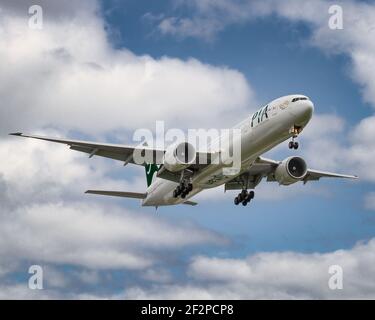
(316, 175)
(121, 152)
(311, 174)
(264, 167)
(113, 151)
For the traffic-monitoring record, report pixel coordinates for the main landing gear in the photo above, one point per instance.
(295, 131)
(182, 189)
(244, 197)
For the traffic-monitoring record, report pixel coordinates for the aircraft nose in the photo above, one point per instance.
(308, 107)
(303, 111)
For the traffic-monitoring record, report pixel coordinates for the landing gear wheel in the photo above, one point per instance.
(183, 195)
(190, 187)
(291, 144)
(175, 193)
(248, 199)
(236, 201)
(295, 145)
(244, 197)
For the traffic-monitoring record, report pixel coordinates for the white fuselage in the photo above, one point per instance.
(256, 138)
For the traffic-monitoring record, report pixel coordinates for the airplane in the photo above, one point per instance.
(178, 177)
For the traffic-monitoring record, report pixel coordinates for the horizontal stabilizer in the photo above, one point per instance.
(134, 195)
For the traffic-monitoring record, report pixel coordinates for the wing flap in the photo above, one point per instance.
(102, 153)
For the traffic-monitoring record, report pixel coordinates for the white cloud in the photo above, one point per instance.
(53, 278)
(323, 125)
(46, 219)
(93, 236)
(158, 275)
(355, 39)
(341, 147)
(67, 9)
(274, 275)
(264, 275)
(22, 292)
(88, 276)
(370, 201)
(65, 81)
(209, 17)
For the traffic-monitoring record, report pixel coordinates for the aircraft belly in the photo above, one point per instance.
(163, 195)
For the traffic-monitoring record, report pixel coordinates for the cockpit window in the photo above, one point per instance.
(298, 99)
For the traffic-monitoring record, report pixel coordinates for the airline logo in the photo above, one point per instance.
(284, 105)
(259, 116)
(151, 170)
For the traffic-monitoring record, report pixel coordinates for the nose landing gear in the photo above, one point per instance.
(295, 131)
(293, 144)
(244, 197)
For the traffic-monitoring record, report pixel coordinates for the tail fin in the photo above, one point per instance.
(151, 169)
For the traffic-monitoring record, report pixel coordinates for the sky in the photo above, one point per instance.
(99, 70)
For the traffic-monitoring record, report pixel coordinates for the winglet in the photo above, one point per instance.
(19, 134)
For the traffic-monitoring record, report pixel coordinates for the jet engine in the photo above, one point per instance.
(179, 156)
(291, 170)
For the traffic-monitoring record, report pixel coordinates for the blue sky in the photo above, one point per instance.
(90, 66)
